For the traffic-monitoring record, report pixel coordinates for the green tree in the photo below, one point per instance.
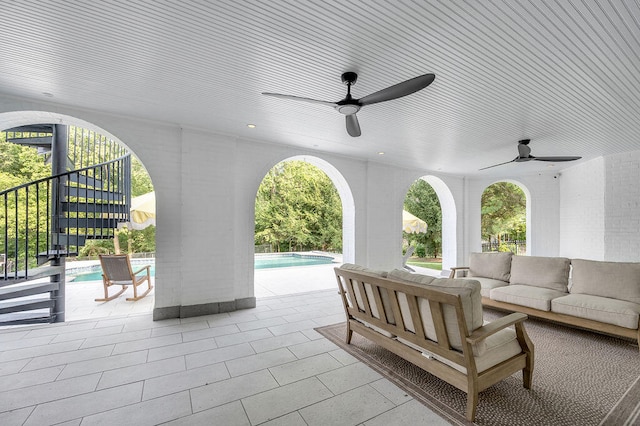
(20, 164)
(422, 201)
(140, 180)
(298, 208)
(503, 212)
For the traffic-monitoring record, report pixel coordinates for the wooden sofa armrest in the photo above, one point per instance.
(495, 326)
(456, 269)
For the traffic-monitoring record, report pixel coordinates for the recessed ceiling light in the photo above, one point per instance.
(251, 126)
(381, 153)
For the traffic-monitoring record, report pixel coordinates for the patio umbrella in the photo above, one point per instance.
(142, 215)
(143, 211)
(412, 224)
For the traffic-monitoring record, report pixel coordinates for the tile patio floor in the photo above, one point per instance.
(111, 364)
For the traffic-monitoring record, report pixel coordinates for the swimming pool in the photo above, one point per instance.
(94, 272)
(284, 260)
(262, 261)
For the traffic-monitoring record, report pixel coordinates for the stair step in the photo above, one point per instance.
(18, 318)
(26, 305)
(33, 128)
(102, 208)
(68, 239)
(88, 222)
(44, 257)
(39, 141)
(14, 292)
(95, 194)
(86, 180)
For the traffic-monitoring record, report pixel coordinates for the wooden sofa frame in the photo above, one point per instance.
(582, 323)
(352, 282)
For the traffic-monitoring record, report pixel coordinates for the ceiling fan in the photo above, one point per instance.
(349, 106)
(524, 154)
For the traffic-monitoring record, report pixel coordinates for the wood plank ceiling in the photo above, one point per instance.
(564, 73)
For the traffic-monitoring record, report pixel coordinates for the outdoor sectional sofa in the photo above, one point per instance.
(595, 295)
(436, 324)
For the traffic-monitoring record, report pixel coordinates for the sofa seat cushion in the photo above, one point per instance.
(487, 284)
(490, 265)
(493, 350)
(603, 309)
(369, 290)
(616, 280)
(524, 295)
(537, 271)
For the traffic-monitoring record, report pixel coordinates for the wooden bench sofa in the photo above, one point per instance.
(437, 325)
(588, 294)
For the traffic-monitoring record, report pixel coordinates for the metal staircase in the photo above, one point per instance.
(44, 221)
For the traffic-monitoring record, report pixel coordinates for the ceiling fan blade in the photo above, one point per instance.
(556, 159)
(496, 165)
(353, 127)
(299, 98)
(399, 90)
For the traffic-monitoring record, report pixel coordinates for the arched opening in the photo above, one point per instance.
(311, 199)
(82, 224)
(431, 195)
(505, 218)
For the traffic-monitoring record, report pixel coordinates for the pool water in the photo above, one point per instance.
(262, 261)
(95, 272)
(284, 260)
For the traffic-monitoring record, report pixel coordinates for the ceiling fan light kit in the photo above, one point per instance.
(524, 155)
(349, 106)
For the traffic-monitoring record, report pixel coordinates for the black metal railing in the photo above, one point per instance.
(53, 216)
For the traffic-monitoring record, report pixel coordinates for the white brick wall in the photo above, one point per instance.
(622, 207)
(582, 210)
(206, 186)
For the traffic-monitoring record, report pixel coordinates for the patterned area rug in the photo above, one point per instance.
(578, 377)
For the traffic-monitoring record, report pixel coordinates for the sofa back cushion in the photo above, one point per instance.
(369, 290)
(400, 274)
(490, 265)
(469, 291)
(616, 280)
(360, 268)
(545, 272)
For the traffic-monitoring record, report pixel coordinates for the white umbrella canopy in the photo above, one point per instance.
(142, 215)
(143, 211)
(412, 224)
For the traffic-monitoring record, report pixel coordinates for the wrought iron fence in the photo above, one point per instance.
(518, 247)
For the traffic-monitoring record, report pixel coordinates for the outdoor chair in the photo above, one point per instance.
(116, 270)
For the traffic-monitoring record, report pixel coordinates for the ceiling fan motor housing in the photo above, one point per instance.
(349, 78)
